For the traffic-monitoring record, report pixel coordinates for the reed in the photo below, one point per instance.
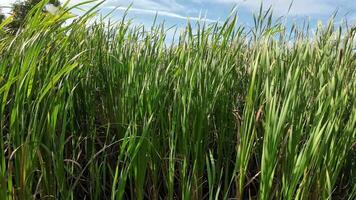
(109, 110)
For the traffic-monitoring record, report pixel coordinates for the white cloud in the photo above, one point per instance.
(280, 7)
(5, 5)
(52, 9)
(168, 8)
(164, 13)
(6, 2)
(161, 5)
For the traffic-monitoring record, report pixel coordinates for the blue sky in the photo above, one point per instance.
(176, 12)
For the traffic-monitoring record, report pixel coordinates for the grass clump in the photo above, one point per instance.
(101, 110)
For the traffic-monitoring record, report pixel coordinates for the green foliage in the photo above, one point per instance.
(2, 16)
(20, 10)
(102, 110)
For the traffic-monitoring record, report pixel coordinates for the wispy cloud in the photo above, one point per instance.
(161, 5)
(6, 2)
(162, 13)
(281, 7)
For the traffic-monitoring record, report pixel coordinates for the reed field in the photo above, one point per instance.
(97, 109)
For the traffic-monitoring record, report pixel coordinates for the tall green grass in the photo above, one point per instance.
(103, 110)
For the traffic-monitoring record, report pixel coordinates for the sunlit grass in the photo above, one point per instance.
(111, 111)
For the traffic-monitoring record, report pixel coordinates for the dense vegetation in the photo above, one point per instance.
(111, 111)
(2, 16)
(19, 11)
